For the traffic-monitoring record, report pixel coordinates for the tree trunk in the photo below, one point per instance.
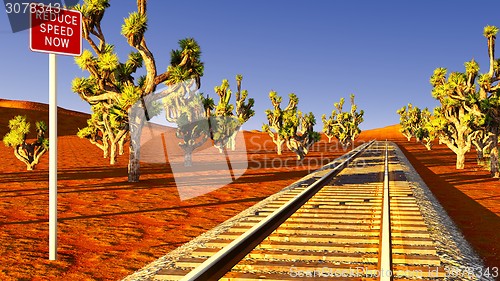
(299, 150)
(40, 151)
(494, 163)
(121, 144)
(134, 165)
(297, 147)
(300, 155)
(345, 146)
(480, 158)
(279, 144)
(188, 157)
(112, 158)
(483, 145)
(21, 155)
(408, 138)
(494, 157)
(232, 141)
(105, 145)
(136, 122)
(460, 160)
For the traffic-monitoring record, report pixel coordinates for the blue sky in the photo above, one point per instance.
(382, 51)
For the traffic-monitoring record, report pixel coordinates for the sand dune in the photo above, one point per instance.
(68, 120)
(108, 227)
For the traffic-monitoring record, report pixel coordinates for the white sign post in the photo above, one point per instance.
(52, 157)
(54, 30)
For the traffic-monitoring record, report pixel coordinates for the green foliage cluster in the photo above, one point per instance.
(275, 118)
(343, 125)
(28, 153)
(185, 108)
(226, 118)
(425, 131)
(290, 126)
(408, 119)
(419, 124)
(198, 117)
(185, 63)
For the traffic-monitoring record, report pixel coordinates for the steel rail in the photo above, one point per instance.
(385, 246)
(219, 264)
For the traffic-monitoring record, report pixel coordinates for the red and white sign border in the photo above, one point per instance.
(59, 53)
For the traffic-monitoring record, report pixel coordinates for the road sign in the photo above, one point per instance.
(55, 30)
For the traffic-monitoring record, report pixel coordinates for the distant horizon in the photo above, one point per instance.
(80, 112)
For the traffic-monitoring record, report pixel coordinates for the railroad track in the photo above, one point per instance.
(359, 221)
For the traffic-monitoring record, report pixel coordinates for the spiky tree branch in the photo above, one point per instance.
(112, 85)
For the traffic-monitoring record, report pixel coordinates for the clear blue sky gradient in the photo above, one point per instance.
(382, 51)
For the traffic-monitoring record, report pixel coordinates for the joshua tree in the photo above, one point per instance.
(111, 88)
(453, 122)
(483, 142)
(488, 107)
(275, 118)
(404, 122)
(328, 126)
(187, 109)
(476, 96)
(291, 126)
(343, 125)
(417, 123)
(28, 153)
(410, 120)
(424, 131)
(226, 118)
(298, 132)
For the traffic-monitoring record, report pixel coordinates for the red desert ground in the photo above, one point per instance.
(108, 228)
